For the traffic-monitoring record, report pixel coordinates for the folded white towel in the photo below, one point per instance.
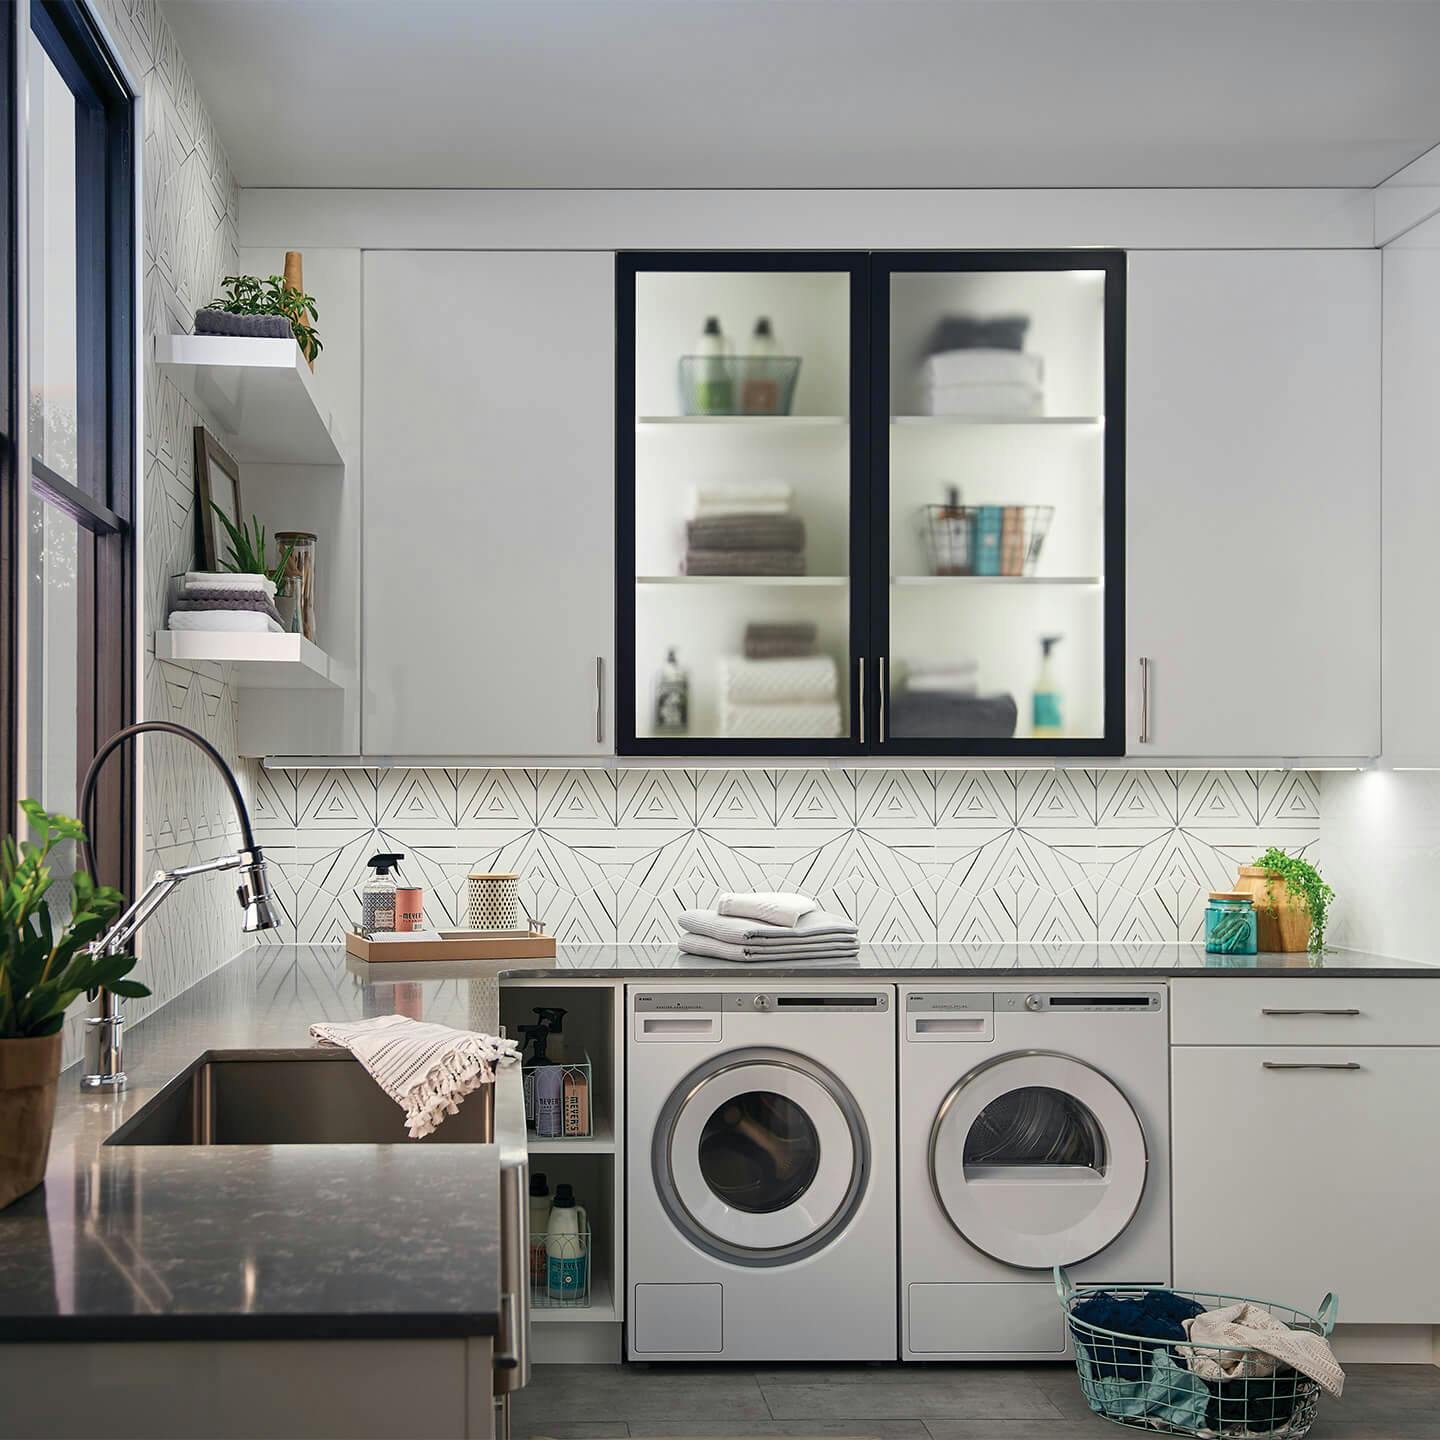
(984, 367)
(739, 509)
(774, 907)
(741, 497)
(811, 720)
(202, 580)
(1253, 1327)
(998, 400)
(953, 684)
(777, 682)
(836, 949)
(737, 930)
(426, 1069)
(249, 622)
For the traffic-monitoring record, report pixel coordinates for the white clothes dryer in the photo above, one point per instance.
(761, 1171)
(1034, 1131)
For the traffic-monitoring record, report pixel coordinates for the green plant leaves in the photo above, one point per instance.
(248, 295)
(247, 548)
(1304, 882)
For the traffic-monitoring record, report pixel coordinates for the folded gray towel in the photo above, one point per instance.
(236, 600)
(780, 640)
(744, 562)
(221, 322)
(737, 930)
(944, 715)
(746, 532)
(749, 954)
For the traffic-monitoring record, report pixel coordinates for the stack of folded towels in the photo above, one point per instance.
(977, 367)
(744, 529)
(779, 698)
(774, 926)
(780, 639)
(941, 699)
(222, 601)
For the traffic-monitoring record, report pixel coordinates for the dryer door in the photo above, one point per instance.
(760, 1156)
(1037, 1159)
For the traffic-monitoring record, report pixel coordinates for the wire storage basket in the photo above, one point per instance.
(738, 384)
(985, 539)
(558, 1100)
(1151, 1384)
(560, 1270)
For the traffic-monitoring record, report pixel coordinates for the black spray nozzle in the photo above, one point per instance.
(552, 1017)
(383, 864)
(1049, 642)
(537, 1037)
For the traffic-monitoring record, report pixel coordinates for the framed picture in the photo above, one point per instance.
(217, 482)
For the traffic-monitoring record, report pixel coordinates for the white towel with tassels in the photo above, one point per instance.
(425, 1069)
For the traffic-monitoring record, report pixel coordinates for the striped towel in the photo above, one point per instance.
(425, 1069)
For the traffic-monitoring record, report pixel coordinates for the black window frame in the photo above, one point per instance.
(102, 497)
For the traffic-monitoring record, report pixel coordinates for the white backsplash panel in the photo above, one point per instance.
(968, 856)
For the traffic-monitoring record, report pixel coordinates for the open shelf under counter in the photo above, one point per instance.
(774, 422)
(261, 393)
(600, 1310)
(602, 1142)
(1094, 421)
(1092, 580)
(258, 662)
(814, 581)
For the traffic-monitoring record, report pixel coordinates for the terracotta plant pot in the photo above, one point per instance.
(1282, 919)
(29, 1073)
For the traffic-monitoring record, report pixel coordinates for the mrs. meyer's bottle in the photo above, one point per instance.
(377, 896)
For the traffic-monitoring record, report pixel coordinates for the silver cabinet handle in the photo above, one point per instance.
(882, 699)
(862, 699)
(509, 1337)
(599, 699)
(1144, 699)
(1310, 1065)
(1268, 1011)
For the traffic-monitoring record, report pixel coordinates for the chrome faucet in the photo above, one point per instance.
(104, 1032)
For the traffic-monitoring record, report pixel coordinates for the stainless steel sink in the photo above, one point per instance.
(289, 1097)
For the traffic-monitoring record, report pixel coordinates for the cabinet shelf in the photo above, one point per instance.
(600, 1310)
(261, 393)
(831, 581)
(259, 662)
(774, 422)
(602, 1142)
(1095, 421)
(996, 580)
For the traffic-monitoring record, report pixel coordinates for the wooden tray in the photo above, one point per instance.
(455, 945)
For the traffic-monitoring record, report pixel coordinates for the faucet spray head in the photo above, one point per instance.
(254, 893)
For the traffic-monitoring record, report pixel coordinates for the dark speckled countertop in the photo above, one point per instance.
(353, 1240)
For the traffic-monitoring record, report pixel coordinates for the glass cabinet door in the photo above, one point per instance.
(999, 608)
(742, 418)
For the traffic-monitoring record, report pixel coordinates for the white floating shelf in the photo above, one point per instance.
(996, 580)
(1096, 420)
(259, 662)
(261, 393)
(773, 422)
(765, 580)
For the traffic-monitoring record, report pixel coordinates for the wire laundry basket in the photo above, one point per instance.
(1146, 1384)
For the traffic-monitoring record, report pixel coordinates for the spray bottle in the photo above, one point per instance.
(377, 896)
(1047, 720)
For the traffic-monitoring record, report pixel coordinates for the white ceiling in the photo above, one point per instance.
(757, 93)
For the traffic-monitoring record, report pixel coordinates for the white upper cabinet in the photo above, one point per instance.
(489, 503)
(1253, 504)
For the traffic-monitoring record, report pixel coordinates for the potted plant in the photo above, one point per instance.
(41, 974)
(247, 557)
(249, 295)
(1292, 901)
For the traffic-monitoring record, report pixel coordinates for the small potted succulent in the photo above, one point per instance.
(1292, 901)
(41, 974)
(247, 557)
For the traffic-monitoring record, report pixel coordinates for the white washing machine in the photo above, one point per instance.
(761, 1169)
(1034, 1131)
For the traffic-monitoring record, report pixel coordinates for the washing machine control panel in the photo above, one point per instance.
(810, 1000)
(1039, 1001)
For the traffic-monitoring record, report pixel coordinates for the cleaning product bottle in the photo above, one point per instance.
(760, 383)
(1046, 715)
(532, 1036)
(567, 1245)
(714, 387)
(377, 896)
(763, 341)
(575, 1101)
(549, 1087)
(539, 1223)
(553, 1018)
(672, 697)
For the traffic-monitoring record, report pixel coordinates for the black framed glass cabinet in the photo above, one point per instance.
(870, 503)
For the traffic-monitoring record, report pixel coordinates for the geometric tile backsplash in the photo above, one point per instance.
(964, 856)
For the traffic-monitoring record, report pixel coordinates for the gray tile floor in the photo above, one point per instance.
(903, 1402)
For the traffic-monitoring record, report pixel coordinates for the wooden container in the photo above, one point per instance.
(455, 945)
(29, 1071)
(1282, 919)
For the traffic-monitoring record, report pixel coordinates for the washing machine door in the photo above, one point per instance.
(761, 1156)
(1038, 1159)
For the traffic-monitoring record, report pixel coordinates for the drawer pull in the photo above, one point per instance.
(1268, 1011)
(1311, 1065)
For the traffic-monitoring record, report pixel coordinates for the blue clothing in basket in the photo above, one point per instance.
(1155, 1315)
(1168, 1392)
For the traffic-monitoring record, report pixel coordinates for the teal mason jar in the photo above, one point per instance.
(1230, 923)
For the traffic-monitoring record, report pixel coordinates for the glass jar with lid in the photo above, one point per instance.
(1230, 923)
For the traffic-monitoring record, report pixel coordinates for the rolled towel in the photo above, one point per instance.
(246, 622)
(750, 954)
(984, 367)
(737, 930)
(777, 682)
(780, 640)
(744, 562)
(1002, 400)
(746, 532)
(774, 907)
(809, 720)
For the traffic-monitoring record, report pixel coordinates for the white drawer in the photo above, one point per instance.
(1242, 1011)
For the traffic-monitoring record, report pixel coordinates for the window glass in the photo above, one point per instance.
(1036, 1125)
(759, 1152)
